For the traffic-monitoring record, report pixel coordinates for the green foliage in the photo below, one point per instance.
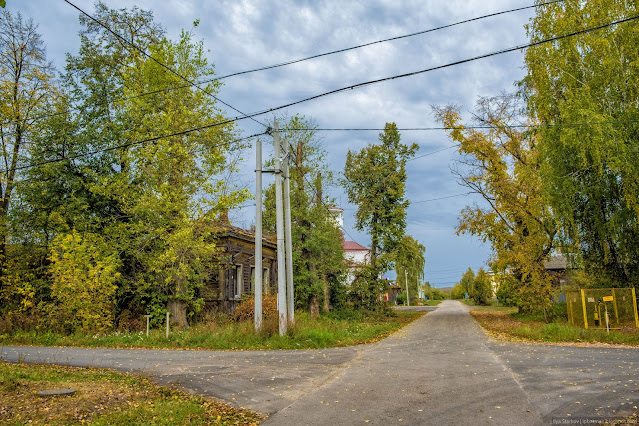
(409, 262)
(375, 180)
(401, 299)
(25, 86)
(481, 290)
(437, 294)
(337, 328)
(152, 203)
(84, 275)
(318, 255)
(466, 283)
(590, 172)
(502, 165)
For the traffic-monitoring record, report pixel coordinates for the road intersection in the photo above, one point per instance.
(441, 369)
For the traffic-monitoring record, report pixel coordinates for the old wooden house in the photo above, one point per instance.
(235, 276)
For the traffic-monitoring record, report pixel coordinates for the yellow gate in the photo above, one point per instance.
(599, 308)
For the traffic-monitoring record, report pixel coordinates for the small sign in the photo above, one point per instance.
(591, 300)
(608, 298)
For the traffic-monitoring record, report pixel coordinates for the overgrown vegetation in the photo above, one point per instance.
(345, 327)
(104, 397)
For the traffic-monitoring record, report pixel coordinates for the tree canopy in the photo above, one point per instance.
(501, 164)
(590, 170)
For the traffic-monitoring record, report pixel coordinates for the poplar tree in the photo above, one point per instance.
(409, 262)
(375, 180)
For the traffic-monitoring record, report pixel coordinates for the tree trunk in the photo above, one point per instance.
(327, 295)
(314, 307)
(177, 308)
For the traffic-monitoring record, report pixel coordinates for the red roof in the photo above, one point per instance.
(353, 246)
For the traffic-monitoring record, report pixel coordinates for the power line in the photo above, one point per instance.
(463, 61)
(163, 65)
(129, 144)
(462, 127)
(441, 198)
(295, 61)
(371, 82)
(292, 61)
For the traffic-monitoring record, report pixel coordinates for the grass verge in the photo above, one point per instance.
(504, 323)
(104, 397)
(334, 329)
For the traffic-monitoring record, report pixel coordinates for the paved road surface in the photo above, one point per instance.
(441, 369)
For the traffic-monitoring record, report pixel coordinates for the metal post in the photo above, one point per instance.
(290, 295)
(147, 324)
(167, 324)
(279, 226)
(406, 281)
(258, 236)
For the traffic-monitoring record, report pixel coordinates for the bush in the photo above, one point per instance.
(401, 299)
(246, 309)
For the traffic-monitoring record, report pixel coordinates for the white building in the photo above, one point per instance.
(355, 255)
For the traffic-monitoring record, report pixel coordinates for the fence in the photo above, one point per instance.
(601, 307)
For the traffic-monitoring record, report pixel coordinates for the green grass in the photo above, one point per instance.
(342, 328)
(506, 323)
(103, 397)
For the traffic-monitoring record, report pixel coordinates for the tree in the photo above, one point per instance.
(25, 86)
(135, 172)
(409, 263)
(375, 180)
(83, 288)
(466, 283)
(501, 164)
(482, 288)
(316, 240)
(590, 171)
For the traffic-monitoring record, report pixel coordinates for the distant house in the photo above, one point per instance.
(236, 267)
(559, 268)
(392, 291)
(355, 255)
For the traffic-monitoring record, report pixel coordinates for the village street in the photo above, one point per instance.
(441, 369)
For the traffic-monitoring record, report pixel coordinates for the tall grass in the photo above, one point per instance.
(334, 329)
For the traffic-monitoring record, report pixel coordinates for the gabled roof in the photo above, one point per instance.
(353, 246)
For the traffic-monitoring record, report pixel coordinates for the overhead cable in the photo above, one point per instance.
(163, 65)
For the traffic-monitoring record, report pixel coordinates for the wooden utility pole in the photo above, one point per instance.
(290, 295)
(258, 237)
(279, 225)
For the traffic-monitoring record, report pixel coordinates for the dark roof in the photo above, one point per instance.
(557, 262)
(228, 230)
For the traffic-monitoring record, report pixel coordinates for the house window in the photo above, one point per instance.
(265, 280)
(238, 282)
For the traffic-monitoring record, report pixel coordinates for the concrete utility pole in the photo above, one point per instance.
(290, 295)
(279, 225)
(258, 237)
(406, 281)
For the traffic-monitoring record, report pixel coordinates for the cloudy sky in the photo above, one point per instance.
(246, 34)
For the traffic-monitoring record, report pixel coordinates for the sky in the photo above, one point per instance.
(246, 34)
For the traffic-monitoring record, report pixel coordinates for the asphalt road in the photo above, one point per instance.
(441, 369)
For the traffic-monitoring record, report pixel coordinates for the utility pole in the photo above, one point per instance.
(279, 225)
(258, 236)
(406, 281)
(290, 295)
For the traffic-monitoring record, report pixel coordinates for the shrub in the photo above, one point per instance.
(246, 309)
(401, 299)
